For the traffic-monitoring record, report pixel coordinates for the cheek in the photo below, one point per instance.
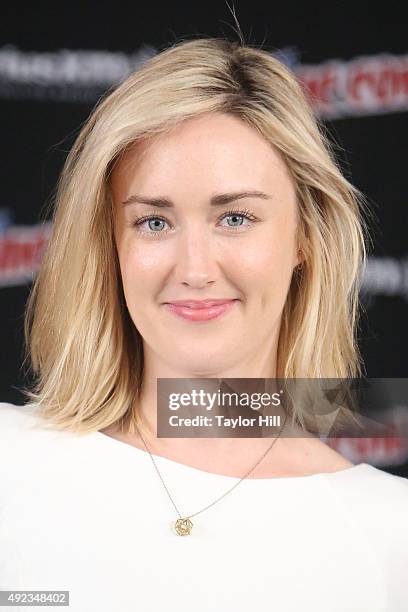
(138, 261)
(268, 262)
(140, 268)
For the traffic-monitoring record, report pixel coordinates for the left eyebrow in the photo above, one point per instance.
(220, 199)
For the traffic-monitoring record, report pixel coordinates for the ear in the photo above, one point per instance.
(299, 258)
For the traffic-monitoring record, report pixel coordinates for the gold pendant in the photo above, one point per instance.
(183, 526)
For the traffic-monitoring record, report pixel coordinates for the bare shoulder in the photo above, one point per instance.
(304, 456)
(323, 458)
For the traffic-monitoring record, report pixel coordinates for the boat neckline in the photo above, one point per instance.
(130, 448)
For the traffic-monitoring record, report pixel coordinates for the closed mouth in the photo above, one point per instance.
(200, 304)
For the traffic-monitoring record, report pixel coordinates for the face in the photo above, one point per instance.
(220, 225)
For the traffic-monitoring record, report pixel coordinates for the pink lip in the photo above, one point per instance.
(200, 310)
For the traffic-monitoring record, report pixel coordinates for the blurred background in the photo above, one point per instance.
(352, 58)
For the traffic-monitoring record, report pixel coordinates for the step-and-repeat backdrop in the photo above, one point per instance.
(55, 63)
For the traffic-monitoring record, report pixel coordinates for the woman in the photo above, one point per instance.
(203, 176)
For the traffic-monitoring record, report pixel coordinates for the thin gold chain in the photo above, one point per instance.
(224, 494)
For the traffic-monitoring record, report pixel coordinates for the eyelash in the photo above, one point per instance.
(247, 214)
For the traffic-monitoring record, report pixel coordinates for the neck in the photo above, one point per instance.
(236, 376)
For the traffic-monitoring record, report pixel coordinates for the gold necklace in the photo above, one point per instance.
(183, 525)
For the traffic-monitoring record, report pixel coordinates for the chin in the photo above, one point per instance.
(208, 368)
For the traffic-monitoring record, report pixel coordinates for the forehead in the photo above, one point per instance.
(214, 150)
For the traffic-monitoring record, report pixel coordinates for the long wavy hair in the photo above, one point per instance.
(84, 350)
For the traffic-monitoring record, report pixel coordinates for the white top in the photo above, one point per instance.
(89, 514)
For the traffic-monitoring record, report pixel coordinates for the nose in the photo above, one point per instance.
(196, 263)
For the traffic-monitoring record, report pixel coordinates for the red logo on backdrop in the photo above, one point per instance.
(21, 250)
(362, 86)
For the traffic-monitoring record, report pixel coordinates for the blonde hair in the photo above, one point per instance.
(83, 346)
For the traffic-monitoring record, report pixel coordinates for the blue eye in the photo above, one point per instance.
(235, 216)
(153, 223)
